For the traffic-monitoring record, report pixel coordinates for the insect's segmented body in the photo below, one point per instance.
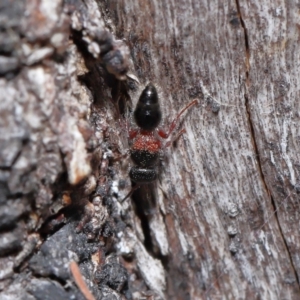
(146, 141)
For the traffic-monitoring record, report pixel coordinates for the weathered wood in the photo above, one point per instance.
(274, 104)
(227, 213)
(234, 168)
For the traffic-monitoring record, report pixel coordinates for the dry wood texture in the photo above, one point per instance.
(235, 168)
(226, 220)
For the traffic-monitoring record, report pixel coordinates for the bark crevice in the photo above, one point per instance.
(254, 140)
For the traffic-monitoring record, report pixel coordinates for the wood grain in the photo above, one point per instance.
(226, 220)
(229, 205)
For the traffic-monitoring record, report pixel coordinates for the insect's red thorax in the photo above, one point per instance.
(146, 141)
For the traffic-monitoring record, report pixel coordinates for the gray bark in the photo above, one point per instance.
(225, 224)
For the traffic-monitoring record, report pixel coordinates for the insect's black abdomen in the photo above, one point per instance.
(147, 114)
(144, 158)
(140, 175)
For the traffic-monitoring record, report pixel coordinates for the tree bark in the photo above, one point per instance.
(226, 213)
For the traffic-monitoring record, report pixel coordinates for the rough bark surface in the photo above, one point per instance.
(226, 215)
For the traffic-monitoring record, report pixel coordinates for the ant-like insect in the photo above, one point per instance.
(146, 141)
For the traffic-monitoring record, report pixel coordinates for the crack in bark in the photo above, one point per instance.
(145, 202)
(252, 132)
(248, 109)
(143, 205)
